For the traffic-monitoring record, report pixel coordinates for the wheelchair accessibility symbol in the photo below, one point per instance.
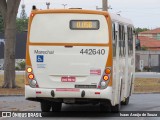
(40, 58)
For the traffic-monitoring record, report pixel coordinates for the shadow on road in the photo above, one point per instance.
(80, 114)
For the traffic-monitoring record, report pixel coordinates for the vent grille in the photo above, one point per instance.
(86, 86)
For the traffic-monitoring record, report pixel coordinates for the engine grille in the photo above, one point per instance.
(86, 86)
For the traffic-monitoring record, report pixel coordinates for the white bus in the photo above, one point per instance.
(78, 56)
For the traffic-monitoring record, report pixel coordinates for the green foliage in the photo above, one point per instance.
(1, 25)
(17, 68)
(146, 68)
(138, 30)
(144, 48)
(22, 24)
(21, 65)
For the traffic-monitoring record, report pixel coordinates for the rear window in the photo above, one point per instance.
(69, 28)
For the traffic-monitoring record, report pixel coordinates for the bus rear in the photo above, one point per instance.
(68, 58)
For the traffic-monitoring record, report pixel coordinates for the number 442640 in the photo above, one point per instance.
(93, 51)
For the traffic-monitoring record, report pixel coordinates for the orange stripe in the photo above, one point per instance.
(109, 62)
(77, 11)
(68, 44)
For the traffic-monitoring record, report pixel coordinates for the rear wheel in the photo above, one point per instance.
(116, 109)
(105, 106)
(126, 102)
(45, 106)
(56, 106)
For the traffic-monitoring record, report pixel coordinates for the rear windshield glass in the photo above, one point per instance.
(69, 28)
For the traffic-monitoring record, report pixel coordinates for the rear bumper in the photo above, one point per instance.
(36, 93)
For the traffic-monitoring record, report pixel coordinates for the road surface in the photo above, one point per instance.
(138, 102)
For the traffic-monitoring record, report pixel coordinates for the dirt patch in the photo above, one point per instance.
(16, 91)
(147, 85)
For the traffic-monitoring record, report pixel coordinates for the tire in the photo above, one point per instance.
(131, 86)
(105, 107)
(116, 109)
(56, 106)
(126, 102)
(45, 106)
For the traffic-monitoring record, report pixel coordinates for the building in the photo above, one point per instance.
(148, 50)
(147, 43)
(149, 40)
(155, 33)
(20, 47)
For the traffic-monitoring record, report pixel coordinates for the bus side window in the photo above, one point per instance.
(130, 40)
(131, 46)
(120, 40)
(114, 39)
(123, 40)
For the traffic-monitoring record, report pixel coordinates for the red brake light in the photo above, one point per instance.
(31, 76)
(105, 77)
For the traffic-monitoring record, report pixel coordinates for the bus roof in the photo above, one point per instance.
(119, 19)
(69, 11)
(114, 17)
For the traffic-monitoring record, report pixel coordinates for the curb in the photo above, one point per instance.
(148, 93)
(11, 95)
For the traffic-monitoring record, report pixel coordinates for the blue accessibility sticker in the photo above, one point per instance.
(40, 58)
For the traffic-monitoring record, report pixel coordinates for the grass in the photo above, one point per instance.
(16, 91)
(141, 85)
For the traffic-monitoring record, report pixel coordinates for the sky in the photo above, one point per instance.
(143, 13)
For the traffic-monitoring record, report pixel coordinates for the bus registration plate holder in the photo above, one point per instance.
(68, 79)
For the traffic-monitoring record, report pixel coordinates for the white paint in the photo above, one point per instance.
(141, 66)
(55, 28)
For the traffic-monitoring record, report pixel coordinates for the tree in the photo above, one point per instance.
(22, 24)
(138, 30)
(9, 10)
(1, 24)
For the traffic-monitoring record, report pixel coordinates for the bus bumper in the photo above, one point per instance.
(35, 93)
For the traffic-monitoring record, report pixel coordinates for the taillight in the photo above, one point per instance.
(29, 69)
(108, 71)
(105, 79)
(31, 77)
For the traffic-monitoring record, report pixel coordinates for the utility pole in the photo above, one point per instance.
(48, 4)
(23, 14)
(64, 5)
(105, 5)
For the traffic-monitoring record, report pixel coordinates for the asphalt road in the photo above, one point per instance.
(138, 102)
(147, 75)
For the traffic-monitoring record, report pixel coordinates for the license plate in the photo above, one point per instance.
(68, 79)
